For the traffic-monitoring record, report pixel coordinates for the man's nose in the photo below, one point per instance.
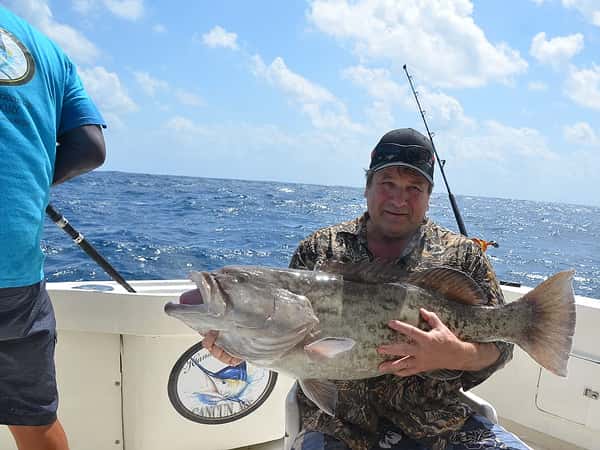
(399, 197)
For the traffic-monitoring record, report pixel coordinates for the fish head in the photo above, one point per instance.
(241, 297)
(258, 317)
(253, 295)
(203, 308)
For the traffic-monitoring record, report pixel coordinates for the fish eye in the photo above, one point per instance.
(241, 278)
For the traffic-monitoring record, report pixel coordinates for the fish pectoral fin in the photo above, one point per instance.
(450, 283)
(322, 393)
(329, 347)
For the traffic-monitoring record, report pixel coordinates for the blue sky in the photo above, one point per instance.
(301, 91)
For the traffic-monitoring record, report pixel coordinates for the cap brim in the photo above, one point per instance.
(391, 164)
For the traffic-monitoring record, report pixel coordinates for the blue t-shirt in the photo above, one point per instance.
(41, 97)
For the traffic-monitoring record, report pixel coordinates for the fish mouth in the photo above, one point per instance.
(191, 297)
(212, 292)
(203, 308)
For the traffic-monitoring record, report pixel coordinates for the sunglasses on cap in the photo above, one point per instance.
(388, 153)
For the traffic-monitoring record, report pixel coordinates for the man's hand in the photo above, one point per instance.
(438, 348)
(209, 344)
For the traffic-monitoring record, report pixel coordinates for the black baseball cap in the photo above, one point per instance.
(404, 147)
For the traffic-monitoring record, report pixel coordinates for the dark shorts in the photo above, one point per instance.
(478, 433)
(28, 394)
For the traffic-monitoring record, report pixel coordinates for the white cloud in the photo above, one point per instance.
(184, 126)
(320, 105)
(159, 28)
(149, 84)
(442, 108)
(247, 138)
(292, 83)
(537, 86)
(556, 51)
(219, 37)
(83, 6)
(251, 151)
(583, 86)
(378, 83)
(108, 93)
(126, 9)
(498, 142)
(387, 94)
(499, 160)
(438, 38)
(38, 13)
(581, 133)
(589, 9)
(188, 98)
(153, 86)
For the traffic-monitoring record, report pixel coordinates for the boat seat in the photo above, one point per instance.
(292, 413)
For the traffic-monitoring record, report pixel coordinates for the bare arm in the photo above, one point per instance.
(479, 355)
(79, 150)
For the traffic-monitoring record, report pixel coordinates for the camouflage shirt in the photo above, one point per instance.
(424, 408)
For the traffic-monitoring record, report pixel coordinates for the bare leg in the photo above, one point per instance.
(45, 437)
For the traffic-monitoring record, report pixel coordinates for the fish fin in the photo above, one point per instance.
(443, 374)
(370, 272)
(450, 283)
(548, 336)
(322, 393)
(329, 347)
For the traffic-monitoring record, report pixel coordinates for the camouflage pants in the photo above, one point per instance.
(477, 433)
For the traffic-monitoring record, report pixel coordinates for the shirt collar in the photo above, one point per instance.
(359, 232)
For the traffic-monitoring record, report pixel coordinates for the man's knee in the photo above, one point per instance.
(481, 433)
(40, 437)
(315, 440)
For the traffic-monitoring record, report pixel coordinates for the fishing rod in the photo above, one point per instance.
(482, 243)
(459, 220)
(80, 240)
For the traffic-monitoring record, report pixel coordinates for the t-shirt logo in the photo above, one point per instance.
(16, 63)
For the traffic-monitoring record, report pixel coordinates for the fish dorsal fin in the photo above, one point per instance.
(450, 283)
(370, 272)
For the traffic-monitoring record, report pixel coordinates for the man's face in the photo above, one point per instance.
(397, 201)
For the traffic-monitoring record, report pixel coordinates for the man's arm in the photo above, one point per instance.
(79, 150)
(439, 348)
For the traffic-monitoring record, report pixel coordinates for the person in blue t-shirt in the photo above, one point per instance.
(50, 131)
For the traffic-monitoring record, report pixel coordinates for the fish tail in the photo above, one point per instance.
(548, 337)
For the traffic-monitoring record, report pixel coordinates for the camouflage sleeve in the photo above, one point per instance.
(304, 257)
(477, 265)
(313, 250)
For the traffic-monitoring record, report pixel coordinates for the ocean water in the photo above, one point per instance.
(162, 227)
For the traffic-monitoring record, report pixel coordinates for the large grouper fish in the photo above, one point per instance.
(326, 324)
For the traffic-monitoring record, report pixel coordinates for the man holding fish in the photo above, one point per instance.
(396, 315)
